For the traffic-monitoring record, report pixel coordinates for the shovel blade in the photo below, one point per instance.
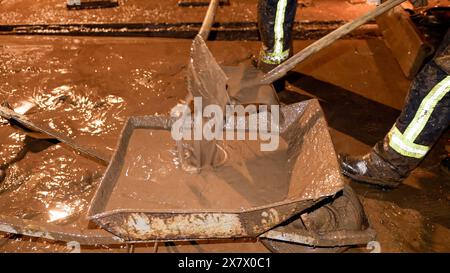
(243, 93)
(206, 78)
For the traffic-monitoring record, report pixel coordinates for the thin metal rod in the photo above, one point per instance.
(10, 114)
(31, 228)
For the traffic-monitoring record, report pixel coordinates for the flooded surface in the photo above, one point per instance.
(51, 186)
(87, 87)
(84, 89)
(20, 12)
(152, 179)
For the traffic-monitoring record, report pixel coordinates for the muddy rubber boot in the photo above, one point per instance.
(371, 169)
(343, 212)
(382, 166)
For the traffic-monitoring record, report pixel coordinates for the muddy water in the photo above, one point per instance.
(20, 12)
(412, 218)
(51, 186)
(85, 90)
(129, 11)
(43, 181)
(152, 179)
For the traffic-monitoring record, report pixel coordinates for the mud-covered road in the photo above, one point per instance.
(86, 88)
(23, 12)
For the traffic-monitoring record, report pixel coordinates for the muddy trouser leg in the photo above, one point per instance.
(275, 21)
(424, 117)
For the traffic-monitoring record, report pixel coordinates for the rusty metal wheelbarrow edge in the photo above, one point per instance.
(53, 232)
(287, 208)
(135, 223)
(145, 226)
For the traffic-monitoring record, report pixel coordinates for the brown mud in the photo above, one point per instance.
(87, 87)
(28, 12)
(151, 171)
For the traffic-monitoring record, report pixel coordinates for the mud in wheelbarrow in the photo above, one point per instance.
(145, 195)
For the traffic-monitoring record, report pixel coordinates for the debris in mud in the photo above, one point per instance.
(91, 4)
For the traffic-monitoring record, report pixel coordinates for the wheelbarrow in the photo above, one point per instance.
(145, 195)
(234, 200)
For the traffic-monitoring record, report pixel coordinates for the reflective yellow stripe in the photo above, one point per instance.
(401, 145)
(279, 28)
(277, 55)
(404, 143)
(426, 109)
(272, 58)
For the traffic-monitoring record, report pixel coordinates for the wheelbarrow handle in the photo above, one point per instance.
(209, 19)
(281, 70)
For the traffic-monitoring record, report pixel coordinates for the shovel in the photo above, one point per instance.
(207, 80)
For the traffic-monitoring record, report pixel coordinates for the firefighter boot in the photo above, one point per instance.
(382, 166)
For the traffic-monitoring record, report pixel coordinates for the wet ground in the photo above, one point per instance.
(54, 12)
(158, 18)
(24, 12)
(86, 87)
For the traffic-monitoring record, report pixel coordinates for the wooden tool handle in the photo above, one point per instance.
(209, 19)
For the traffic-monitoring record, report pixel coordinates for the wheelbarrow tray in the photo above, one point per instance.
(190, 206)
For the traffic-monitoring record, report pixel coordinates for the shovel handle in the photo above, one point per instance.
(281, 70)
(209, 19)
